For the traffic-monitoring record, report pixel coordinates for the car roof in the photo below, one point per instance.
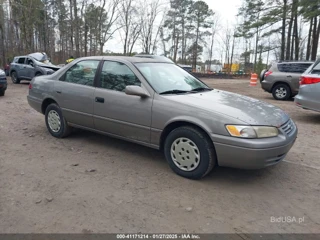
(127, 59)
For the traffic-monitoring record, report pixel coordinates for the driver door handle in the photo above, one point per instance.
(99, 99)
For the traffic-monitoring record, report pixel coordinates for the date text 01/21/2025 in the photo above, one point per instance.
(158, 236)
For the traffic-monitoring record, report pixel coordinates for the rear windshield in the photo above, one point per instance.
(293, 67)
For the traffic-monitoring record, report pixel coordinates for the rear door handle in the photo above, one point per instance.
(99, 99)
(289, 76)
(58, 91)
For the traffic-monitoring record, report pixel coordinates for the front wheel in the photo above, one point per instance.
(56, 123)
(189, 152)
(281, 92)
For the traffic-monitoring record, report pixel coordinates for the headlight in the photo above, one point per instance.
(252, 131)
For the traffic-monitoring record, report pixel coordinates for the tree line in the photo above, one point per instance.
(184, 30)
(84, 27)
(289, 28)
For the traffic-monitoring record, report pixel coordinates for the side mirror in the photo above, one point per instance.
(136, 91)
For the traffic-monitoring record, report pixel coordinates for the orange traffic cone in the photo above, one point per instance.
(253, 79)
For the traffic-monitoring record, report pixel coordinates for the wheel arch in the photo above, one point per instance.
(46, 103)
(180, 123)
(280, 82)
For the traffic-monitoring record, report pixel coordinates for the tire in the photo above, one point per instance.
(2, 92)
(281, 92)
(182, 139)
(53, 111)
(14, 77)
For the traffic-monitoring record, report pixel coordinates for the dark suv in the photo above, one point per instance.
(3, 83)
(27, 67)
(282, 78)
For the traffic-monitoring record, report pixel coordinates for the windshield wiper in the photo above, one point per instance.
(200, 89)
(174, 91)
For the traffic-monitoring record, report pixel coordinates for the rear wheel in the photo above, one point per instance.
(14, 78)
(56, 123)
(189, 152)
(281, 92)
(2, 92)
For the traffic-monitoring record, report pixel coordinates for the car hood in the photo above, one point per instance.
(243, 108)
(49, 66)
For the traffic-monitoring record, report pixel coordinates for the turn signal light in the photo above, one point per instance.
(309, 80)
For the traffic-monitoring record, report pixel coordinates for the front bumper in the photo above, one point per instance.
(253, 153)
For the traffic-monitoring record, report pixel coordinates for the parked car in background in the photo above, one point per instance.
(157, 104)
(282, 78)
(3, 83)
(27, 67)
(188, 68)
(309, 91)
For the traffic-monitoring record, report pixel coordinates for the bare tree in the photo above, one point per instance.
(149, 13)
(130, 24)
(214, 22)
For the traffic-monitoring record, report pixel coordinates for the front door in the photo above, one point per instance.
(117, 113)
(74, 93)
(30, 69)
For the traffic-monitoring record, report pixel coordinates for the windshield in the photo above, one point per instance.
(164, 77)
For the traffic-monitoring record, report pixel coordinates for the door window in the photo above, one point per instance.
(116, 76)
(82, 73)
(30, 62)
(21, 60)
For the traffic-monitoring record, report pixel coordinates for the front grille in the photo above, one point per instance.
(288, 127)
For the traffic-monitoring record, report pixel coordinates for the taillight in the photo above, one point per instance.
(267, 74)
(30, 86)
(309, 80)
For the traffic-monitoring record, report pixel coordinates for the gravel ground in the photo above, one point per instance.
(93, 183)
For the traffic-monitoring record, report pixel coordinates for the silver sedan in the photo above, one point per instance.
(157, 104)
(309, 91)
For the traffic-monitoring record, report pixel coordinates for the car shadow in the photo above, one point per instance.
(125, 146)
(310, 117)
(238, 177)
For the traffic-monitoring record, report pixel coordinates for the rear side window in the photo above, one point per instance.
(293, 67)
(316, 69)
(21, 60)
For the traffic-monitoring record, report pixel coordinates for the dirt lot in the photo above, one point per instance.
(49, 185)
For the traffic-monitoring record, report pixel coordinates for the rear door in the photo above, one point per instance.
(74, 92)
(21, 68)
